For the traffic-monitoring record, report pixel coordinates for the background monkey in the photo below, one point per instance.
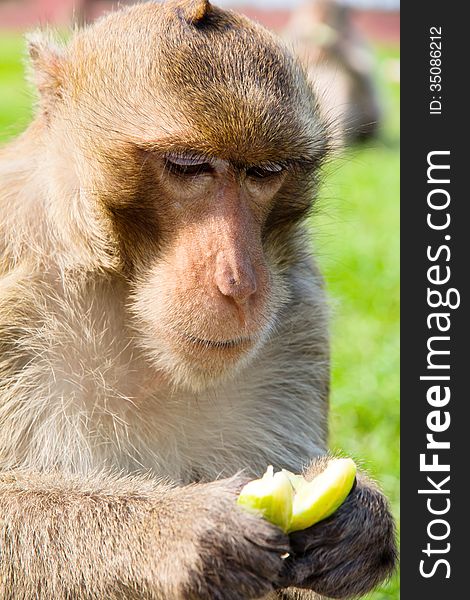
(162, 325)
(341, 65)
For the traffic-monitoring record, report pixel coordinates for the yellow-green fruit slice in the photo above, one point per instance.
(318, 499)
(297, 481)
(272, 495)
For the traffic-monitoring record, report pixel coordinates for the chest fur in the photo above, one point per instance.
(85, 398)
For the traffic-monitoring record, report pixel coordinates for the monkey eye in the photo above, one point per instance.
(265, 171)
(186, 164)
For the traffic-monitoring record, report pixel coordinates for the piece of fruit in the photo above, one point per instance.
(297, 481)
(291, 502)
(318, 499)
(271, 495)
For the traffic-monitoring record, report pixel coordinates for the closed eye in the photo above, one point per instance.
(264, 171)
(181, 164)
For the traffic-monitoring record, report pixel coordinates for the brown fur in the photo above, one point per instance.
(161, 331)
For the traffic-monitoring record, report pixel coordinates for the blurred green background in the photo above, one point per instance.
(356, 237)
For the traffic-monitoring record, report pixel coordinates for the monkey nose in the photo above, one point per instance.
(238, 283)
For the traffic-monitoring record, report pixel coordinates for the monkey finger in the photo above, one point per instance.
(354, 576)
(266, 536)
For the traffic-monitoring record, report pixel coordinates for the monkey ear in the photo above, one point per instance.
(47, 67)
(193, 11)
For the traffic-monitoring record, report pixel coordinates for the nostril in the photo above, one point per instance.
(235, 278)
(239, 288)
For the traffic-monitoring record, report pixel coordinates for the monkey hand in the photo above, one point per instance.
(238, 554)
(349, 553)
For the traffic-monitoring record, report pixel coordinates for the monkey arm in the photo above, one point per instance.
(67, 537)
(347, 554)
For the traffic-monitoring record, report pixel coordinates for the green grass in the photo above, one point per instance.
(355, 235)
(15, 96)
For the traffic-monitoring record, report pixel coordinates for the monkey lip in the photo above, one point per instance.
(217, 344)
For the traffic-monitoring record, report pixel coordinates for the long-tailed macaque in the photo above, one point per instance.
(342, 66)
(163, 331)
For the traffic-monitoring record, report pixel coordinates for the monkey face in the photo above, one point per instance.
(194, 162)
(211, 295)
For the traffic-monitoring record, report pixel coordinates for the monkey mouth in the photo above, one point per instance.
(217, 344)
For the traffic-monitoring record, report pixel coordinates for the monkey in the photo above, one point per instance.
(163, 324)
(341, 65)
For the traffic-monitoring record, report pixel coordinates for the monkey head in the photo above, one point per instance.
(185, 140)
